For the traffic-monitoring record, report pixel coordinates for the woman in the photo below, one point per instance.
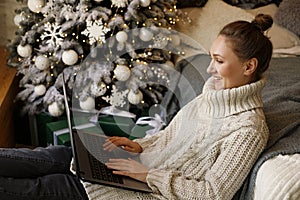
(205, 152)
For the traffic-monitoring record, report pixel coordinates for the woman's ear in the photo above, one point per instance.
(250, 66)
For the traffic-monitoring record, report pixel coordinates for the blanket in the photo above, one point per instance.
(281, 97)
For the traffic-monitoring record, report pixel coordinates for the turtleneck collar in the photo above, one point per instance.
(223, 103)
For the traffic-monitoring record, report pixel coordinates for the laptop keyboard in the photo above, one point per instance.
(101, 172)
(99, 169)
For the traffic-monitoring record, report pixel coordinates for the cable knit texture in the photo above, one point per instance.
(205, 152)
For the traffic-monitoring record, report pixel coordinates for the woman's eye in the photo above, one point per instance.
(219, 61)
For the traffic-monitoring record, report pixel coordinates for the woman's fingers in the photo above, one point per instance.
(119, 164)
(113, 142)
(128, 167)
(123, 142)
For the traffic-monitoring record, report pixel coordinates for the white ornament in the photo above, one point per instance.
(119, 3)
(98, 89)
(145, 35)
(18, 18)
(96, 31)
(54, 109)
(121, 36)
(36, 5)
(88, 104)
(24, 51)
(135, 98)
(40, 90)
(53, 34)
(122, 72)
(69, 57)
(145, 3)
(117, 98)
(42, 62)
(98, 1)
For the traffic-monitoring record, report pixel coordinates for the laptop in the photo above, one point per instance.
(90, 157)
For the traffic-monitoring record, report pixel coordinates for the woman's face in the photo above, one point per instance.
(225, 67)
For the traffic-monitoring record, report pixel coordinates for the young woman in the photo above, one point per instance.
(205, 152)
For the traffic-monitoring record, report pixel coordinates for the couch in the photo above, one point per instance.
(276, 174)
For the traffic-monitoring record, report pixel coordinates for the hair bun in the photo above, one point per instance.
(262, 22)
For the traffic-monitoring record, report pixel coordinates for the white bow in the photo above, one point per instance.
(156, 122)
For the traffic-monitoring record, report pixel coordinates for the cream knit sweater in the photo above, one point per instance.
(205, 152)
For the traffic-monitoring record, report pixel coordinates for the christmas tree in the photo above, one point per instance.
(111, 52)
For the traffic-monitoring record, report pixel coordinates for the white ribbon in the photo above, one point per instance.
(111, 110)
(156, 122)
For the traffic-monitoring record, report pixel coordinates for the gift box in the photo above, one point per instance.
(116, 125)
(58, 132)
(139, 131)
(38, 127)
(109, 125)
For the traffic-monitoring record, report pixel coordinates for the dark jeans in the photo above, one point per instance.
(42, 173)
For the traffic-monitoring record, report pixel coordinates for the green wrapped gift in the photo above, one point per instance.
(139, 131)
(116, 125)
(38, 128)
(58, 132)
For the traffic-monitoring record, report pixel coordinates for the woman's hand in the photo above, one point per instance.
(128, 167)
(128, 145)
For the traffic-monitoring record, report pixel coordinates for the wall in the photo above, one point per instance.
(7, 25)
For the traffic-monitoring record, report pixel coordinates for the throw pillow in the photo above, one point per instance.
(288, 15)
(207, 21)
(281, 37)
(251, 3)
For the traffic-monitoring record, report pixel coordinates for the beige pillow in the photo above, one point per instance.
(207, 21)
(270, 9)
(280, 36)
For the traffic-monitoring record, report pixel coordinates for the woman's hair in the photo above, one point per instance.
(249, 41)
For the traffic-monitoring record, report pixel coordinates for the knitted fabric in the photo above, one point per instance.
(206, 151)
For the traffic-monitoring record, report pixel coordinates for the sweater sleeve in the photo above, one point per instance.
(235, 159)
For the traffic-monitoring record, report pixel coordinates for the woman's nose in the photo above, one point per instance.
(211, 69)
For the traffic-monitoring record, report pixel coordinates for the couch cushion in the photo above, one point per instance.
(207, 21)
